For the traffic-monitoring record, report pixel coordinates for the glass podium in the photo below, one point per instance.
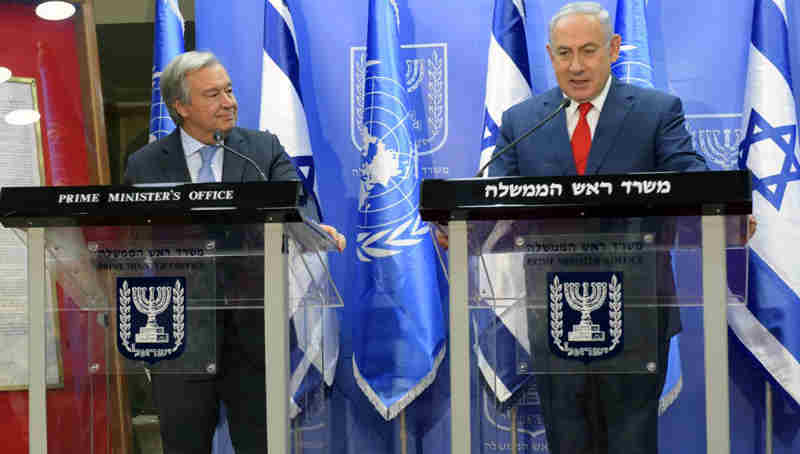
(571, 299)
(150, 307)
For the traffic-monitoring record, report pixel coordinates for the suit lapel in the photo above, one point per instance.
(618, 103)
(233, 166)
(173, 166)
(558, 145)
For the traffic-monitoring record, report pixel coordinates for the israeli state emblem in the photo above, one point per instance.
(585, 314)
(425, 83)
(151, 320)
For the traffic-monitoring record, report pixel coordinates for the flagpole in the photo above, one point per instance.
(514, 448)
(403, 433)
(767, 417)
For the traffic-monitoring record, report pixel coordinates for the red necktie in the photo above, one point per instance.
(582, 139)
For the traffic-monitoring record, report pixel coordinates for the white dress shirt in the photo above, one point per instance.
(191, 149)
(593, 116)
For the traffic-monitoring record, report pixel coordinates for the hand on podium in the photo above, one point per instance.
(341, 241)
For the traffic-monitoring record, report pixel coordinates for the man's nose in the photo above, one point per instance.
(228, 100)
(575, 64)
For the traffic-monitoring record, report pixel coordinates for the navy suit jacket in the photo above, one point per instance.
(237, 278)
(639, 130)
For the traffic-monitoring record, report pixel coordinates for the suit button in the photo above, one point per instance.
(211, 368)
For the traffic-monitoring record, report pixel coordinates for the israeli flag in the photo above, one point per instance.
(500, 332)
(282, 111)
(168, 43)
(508, 77)
(399, 334)
(633, 66)
(314, 332)
(768, 325)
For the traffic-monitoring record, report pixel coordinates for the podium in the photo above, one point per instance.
(563, 284)
(161, 285)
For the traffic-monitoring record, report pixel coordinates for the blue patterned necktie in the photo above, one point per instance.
(205, 174)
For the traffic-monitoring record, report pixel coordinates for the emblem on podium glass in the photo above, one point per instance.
(592, 315)
(151, 305)
(152, 311)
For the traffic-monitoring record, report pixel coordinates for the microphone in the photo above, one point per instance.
(564, 104)
(218, 139)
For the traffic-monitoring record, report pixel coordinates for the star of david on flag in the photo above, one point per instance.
(767, 326)
(782, 140)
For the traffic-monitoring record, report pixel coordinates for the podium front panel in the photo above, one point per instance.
(603, 308)
(153, 330)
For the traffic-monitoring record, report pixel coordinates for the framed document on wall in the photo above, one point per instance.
(22, 161)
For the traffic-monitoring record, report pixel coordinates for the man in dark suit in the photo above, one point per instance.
(609, 127)
(199, 95)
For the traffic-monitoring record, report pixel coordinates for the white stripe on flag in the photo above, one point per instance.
(505, 85)
(173, 5)
(281, 110)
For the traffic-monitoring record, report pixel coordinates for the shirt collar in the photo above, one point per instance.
(597, 101)
(190, 144)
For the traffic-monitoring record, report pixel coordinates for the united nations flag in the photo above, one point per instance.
(151, 321)
(399, 343)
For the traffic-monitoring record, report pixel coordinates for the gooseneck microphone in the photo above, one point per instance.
(564, 104)
(219, 138)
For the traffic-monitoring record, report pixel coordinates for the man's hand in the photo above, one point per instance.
(751, 226)
(338, 238)
(442, 239)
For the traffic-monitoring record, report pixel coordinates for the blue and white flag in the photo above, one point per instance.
(282, 111)
(501, 340)
(768, 325)
(315, 331)
(508, 77)
(633, 66)
(399, 330)
(168, 43)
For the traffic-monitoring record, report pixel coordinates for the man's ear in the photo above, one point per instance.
(180, 108)
(614, 44)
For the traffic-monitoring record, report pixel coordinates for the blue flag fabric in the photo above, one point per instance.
(500, 332)
(633, 66)
(314, 335)
(508, 77)
(767, 326)
(168, 43)
(282, 111)
(398, 325)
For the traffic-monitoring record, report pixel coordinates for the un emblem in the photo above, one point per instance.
(589, 325)
(426, 86)
(151, 323)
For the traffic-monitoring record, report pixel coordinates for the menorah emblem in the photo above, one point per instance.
(151, 306)
(592, 297)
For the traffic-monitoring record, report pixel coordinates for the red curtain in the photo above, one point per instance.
(77, 411)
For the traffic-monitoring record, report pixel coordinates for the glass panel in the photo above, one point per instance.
(574, 323)
(313, 303)
(128, 289)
